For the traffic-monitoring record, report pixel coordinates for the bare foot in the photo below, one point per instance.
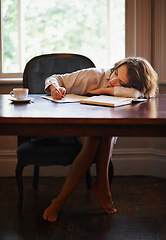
(51, 213)
(104, 198)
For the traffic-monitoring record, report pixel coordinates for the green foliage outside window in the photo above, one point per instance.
(54, 26)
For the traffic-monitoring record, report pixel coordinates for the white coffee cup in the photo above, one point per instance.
(19, 93)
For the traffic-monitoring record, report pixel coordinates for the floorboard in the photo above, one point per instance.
(141, 204)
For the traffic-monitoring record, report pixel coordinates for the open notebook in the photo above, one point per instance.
(69, 98)
(103, 100)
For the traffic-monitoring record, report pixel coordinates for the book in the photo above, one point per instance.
(110, 101)
(103, 100)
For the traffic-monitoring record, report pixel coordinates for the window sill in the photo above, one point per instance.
(10, 81)
(162, 82)
(19, 80)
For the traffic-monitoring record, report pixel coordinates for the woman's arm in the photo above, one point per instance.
(117, 91)
(99, 91)
(81, 81)
(120, 91)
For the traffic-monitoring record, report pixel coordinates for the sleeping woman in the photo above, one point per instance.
(130, 77)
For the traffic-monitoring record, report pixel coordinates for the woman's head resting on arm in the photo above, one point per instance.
(135, 72)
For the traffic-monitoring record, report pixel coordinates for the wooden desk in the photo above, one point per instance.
(43, 117)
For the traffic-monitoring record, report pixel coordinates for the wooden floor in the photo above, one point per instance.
(141, 204)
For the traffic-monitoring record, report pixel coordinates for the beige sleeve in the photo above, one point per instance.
(78, 82)
(126, 92)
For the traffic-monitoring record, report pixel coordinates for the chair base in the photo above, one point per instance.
(36, 177)
(19, 171)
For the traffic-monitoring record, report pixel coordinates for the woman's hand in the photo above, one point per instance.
(99, 91)
(94, 92)
(58, 92)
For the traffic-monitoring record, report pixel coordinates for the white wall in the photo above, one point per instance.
(131, 156)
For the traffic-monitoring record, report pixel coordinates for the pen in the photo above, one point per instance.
(52, 83)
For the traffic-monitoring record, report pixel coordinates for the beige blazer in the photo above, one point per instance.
(81, 81)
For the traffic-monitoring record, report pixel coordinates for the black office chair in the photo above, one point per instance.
(42, 152)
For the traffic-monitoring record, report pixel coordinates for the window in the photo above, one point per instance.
(93, 28)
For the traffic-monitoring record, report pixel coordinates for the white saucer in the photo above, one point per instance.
(16, 100)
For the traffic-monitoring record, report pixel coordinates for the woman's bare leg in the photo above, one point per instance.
(101, 187)
(79, 167)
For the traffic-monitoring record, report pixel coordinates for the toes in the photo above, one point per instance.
(45, 217)
(49, 219)
(114, 210)
(110, 210)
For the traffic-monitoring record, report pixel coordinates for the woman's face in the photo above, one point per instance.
(119, 77)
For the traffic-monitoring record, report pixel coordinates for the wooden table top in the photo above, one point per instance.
(43, 117)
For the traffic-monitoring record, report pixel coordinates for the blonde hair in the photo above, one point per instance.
(141, 75)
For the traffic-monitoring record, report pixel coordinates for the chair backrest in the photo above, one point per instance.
(43, 66)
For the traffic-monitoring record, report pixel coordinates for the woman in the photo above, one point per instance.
(130, 77)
